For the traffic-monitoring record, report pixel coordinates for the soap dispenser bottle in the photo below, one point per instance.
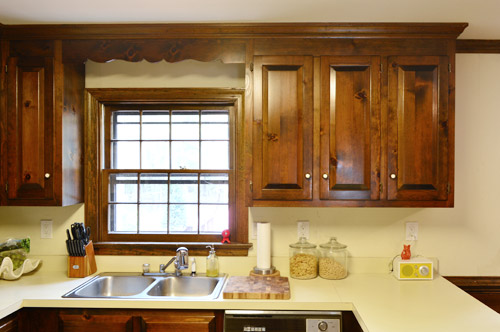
(212, 263)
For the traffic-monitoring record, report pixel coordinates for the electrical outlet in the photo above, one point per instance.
(303, 228)
(46, 229)
(412, 231)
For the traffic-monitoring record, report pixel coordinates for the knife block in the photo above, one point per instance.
(82, 266)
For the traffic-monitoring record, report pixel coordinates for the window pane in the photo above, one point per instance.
(155, 125)
(214, 188)
(123, 187)
(185, 155)
(183, 218)
(154, 188)
(184, 188)
(155, 155)
(123, 218)
(125, 155)
(213, 218)
(153, 218)
(215, 155)
(185, 125)
(126, 125)
(215, 125)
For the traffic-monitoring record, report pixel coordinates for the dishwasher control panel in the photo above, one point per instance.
(322, 325)
(282, 321)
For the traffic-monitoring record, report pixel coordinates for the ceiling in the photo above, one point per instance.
(482, 15)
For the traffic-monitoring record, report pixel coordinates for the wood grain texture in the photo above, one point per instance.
(234, 30)
(484, 46)
(418, 128)
(350, 128)
(238, 287)
(170, 50)
(282, 133)
(9, 323)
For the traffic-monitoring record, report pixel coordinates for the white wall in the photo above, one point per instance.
(465, 238)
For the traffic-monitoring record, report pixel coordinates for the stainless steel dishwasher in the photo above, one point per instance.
(282, 321)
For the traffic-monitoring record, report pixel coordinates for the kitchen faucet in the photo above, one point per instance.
(181, 261)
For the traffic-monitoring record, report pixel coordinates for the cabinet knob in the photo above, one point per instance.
(47, 175)
(393, 176)
(325, 176)
(308, 176)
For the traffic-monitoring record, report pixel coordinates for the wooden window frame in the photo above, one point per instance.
(96, 100)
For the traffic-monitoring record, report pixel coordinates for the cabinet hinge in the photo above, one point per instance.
(448, 189)
(251, 186)
(381, 67)
(6, 187)
(381, 188)
(449, 67)
(6, 68)
(251, 66)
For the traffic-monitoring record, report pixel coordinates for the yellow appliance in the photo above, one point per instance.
(417, 268)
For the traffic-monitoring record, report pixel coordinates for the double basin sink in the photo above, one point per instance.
(137, 286)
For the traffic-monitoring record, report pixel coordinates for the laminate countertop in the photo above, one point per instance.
(379, 301)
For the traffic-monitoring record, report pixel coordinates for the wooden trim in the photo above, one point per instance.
(165, 249)
(234, 30)
(95, 98)
(478, 46)
(489, 284)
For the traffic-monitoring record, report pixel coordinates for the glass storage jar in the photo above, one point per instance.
(303, 260)
(333, 260)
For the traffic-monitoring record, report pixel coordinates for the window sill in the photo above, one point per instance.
(169, 249)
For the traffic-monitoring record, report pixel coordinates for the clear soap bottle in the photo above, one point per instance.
(212, 263)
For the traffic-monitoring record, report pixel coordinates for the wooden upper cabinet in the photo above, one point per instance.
(283, 126)
(418, 141)
(350, 127)
(44, 121)
(30, 129)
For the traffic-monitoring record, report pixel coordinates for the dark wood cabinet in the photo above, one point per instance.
(120, 320)
(350, 128)
(9, 323)
(418, 128)
(283, 120)
(44, 121)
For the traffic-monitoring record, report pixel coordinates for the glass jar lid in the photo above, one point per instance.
(303, 244)
(333, 244)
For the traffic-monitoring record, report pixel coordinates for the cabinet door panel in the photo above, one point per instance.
(87, 322)
(30, 128)
(283, 128)
(179, 321)
(350, 128)
(418, 128)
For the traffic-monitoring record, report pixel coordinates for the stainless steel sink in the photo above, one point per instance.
(134, 285)
(184, 286)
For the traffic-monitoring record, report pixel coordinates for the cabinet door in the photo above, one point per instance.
(30, 128)
(282, 136)
(418, 128)
(179, 321)
(96, 322)
(350, 128)
(9, 323)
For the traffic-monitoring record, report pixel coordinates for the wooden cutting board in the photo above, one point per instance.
(275, 288)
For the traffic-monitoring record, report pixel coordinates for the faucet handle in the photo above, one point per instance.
(182, 261)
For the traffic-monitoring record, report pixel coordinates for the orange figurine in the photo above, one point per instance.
(406, 253)
(225, 236)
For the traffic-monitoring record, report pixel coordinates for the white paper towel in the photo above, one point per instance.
(263, 245)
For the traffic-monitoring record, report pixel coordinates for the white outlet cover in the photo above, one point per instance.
(46, 229)
(412, 231)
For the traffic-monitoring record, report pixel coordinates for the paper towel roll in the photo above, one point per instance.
(263, 245)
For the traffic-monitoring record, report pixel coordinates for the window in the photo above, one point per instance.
(167, 169)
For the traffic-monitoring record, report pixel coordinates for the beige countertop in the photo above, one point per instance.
(380, 302)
